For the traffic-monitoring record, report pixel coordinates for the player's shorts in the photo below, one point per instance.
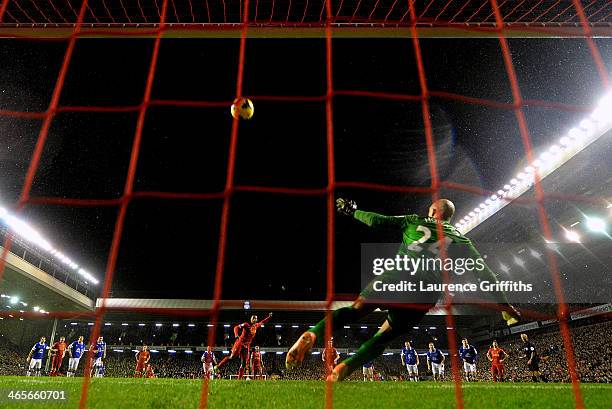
(497, 368)
(437, 368)
(56, 361)
(207, 367)
(368, 371)
(35, 363)
(98, 361)
(241, 350)
(534, 366)
(73, 363)
(412, 369)
(468, 367)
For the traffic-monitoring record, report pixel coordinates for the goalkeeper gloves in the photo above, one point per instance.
(346, 207)
(511, 316)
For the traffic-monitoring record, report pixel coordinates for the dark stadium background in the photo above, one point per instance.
(276, 246)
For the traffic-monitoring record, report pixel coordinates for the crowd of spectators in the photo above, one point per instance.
(592, 349)
(271, 335)
(593, 354)
(11, 361)
(164, 365)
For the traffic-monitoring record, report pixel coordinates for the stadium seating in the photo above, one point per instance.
(593, 353)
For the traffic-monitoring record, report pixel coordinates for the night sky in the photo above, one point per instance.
(276, 245)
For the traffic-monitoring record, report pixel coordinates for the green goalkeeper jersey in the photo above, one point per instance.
(415, 229)
(420, 238)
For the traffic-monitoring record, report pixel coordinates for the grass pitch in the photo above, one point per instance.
(121, 393)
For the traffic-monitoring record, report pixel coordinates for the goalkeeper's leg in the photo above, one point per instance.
(398, 323)
(340, 317)
(369, 350)
(344, 315)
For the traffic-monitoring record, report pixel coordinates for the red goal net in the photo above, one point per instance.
(69, 20)
(293, 13)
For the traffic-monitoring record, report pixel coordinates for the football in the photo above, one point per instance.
(242, 108)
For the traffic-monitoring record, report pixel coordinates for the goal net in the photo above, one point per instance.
(66, 23)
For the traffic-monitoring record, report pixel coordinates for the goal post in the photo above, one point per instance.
(318, 19)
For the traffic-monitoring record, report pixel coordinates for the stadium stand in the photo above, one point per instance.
(590, 336)
(541, 339)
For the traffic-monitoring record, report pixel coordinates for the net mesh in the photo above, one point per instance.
(247, 13)
(294, 12)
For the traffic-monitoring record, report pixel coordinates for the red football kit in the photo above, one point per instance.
(497, 366)
(57, 357)
(150, 373)
(329, 358)
(142, 358)
(243, 344)
(256, 359)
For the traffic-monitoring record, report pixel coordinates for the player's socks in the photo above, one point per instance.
(37, 373)
(240, 373)
(28, 373)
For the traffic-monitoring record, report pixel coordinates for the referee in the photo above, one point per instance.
(533, 359)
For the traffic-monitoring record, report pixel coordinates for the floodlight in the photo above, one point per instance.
(596, 224)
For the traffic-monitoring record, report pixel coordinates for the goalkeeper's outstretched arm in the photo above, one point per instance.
(349, 208)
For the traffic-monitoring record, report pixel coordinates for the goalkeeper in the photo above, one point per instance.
(416, 233)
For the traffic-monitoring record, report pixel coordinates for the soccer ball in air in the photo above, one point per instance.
(242, 108)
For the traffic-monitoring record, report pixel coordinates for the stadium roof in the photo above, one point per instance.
(215, 15)
(25, 238)
(24, 283)
(580, 187)
(571, 144)
(307, 312)
(310, 12)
